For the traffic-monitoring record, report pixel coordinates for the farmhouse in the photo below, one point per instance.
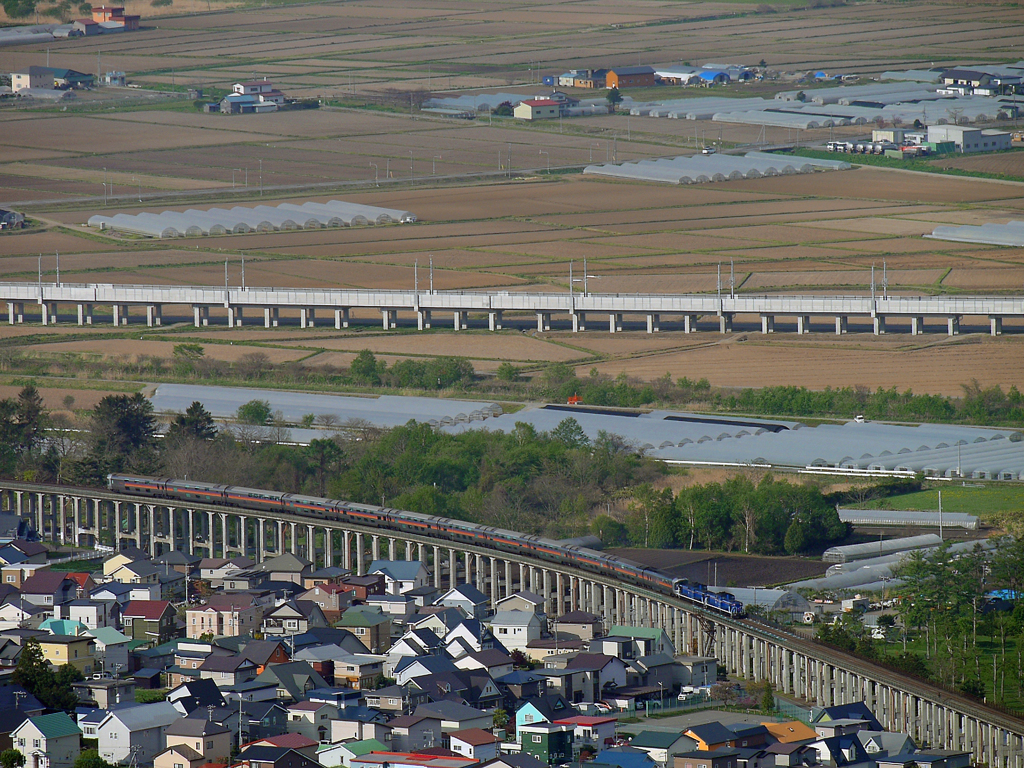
(630, 77)
(32, 77)
(537, 109)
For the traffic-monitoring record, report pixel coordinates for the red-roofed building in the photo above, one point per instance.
(85, 583)
(537, 109)
(152, 620)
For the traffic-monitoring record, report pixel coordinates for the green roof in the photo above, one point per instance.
(56, 725)
(654, 739)
(358, 748)
(108, 635)
(352, 618)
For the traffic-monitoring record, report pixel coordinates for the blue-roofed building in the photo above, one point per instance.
(714, 77)
(400, 576)
(624, 757)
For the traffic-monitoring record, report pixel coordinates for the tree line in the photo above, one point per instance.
(555, 382)
(553, 483)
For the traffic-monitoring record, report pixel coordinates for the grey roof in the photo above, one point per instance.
(240, 219)
(286, 563)
(701, 169)
(146, 715)
(399, 570)
(468, 592)
(195, 726)
(448, 710)
(915, 518)
(847, 552)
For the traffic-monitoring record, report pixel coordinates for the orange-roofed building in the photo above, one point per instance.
(791, 732)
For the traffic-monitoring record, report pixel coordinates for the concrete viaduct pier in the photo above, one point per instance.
(255, 305)
(796, 666)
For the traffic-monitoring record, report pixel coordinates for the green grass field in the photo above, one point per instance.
(984, 500)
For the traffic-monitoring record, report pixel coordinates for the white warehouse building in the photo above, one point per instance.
(970, 139)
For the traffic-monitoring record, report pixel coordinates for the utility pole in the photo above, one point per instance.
(431, 274)
(58, 266)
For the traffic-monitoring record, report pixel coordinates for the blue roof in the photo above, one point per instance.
(399, 570)
(713, 74)
(624, 759)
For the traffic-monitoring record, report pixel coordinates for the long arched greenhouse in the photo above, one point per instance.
(261, 218)
(702, 169)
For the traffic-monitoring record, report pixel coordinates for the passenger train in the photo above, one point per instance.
(456, 531)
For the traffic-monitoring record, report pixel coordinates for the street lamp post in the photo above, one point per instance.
(140, 187)
(547, 157)
(433, 165)
(261, 176)
(376, 172)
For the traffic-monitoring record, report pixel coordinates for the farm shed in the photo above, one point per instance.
(537, 109)
(261, 218)
(702, 169)
(630, 77)
(1011, 233)
(868, 549)
(916, 518)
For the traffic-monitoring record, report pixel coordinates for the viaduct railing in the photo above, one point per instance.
(236, 300)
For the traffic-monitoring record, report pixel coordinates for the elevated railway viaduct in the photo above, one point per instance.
(796, 667)
(459, 305)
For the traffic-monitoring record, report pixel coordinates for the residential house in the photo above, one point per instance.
(661, 745)
(790, 755)
(332, 574)
(521, 601)
(261, 719)
(398, 608)
(595, 732)
(400, 576)
(544, 709)
(840, 727)
(196, 694)
(443, 758)
(885, 742)
(710, 736)
(16, 704)
(357, 723)
(32, 77)
(650, 640)
(412, 667)
(86, 583)
(49, 588)
(302, 744)
(182, 562)
(438, 620)
(454, 716)
(657, 671)
(581, 624)
(293, 679)
(630, 77)
(476, 743)
(227, 670)
(274, 757)
(92, 613)
(371, 627)
(423, 596)
(537, 109)
(113, 591)
(312, 719)
(231, 615)
(601, 673)
(514, 761)
(550, 743)
(332, 598)
(856, 710)
(135, 732)
(15, 614)
(52, 741)
(358, 671)
(150, 620)
(748, 735)
(22, 551)
(210, 739)
(468, 599)
(105, 693)
(698, 671)
(840, 750)
(495, 663)
(721, 758)
(519, 685)
(179, 756)
(293, 617)
(78, 651)
(792, 732)
(395, 699)
(264, 652)
(415, 642)
(286, 567)
(16, 574)
(137, 572)
(412, 733)
(341, 755)
(364, 586)
(515, 629)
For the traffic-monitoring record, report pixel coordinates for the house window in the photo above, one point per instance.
(528, 719)
(536, 739)
(35, 743)
(10, 577)
(209, 745)
(179, 765)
